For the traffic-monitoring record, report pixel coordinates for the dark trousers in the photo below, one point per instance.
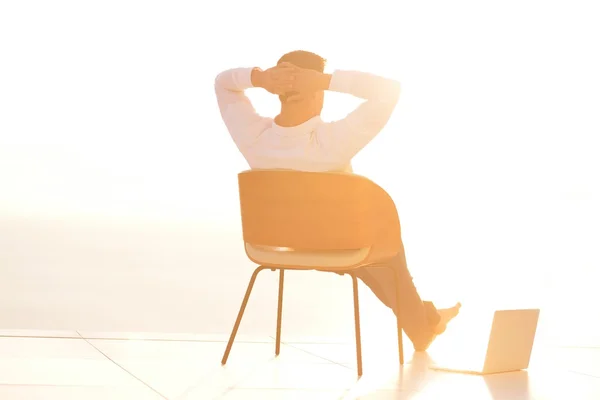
(418, 317)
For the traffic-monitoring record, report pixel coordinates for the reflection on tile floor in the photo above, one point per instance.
(92, 366)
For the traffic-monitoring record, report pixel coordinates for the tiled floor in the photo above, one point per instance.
(91, 366)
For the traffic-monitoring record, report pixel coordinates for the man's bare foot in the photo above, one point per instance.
(446, 315)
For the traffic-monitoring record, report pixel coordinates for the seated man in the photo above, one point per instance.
(297, 139)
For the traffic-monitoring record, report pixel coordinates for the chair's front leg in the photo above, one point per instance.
(279, 314)
(241, 314)
(357, 325)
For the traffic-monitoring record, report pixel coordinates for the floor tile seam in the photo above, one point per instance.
(583, 374)
(123, 368)
(241, 379)
(228, 388)
(316, 355)
(172, 340)
(38, 337)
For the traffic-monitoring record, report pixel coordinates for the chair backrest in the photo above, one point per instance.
(315, 211)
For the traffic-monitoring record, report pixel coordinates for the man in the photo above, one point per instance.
(298, 139)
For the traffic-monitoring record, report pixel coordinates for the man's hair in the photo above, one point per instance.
(302, 59)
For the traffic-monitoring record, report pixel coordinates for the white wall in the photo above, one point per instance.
(147, 276)
(117, 176)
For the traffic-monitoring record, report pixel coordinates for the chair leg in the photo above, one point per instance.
(240, 314)
(279, 314)
(398, 320)
(357, 325)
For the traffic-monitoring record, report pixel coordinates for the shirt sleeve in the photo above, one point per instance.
(346, 137)
(242, 121)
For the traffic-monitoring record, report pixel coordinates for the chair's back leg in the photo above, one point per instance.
(279, 314)
(357, 325)
(240, 314)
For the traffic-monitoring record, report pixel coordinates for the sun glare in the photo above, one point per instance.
(490, 156)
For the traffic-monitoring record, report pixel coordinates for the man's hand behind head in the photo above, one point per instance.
(277, 80)
(309, 80)
(290, 81)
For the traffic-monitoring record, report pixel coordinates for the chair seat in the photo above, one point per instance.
(283, 256)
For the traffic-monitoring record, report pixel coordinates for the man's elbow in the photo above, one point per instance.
(218, 80)
(386, 103)
(393, 93)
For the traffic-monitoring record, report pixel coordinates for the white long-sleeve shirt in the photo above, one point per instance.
(315, 145)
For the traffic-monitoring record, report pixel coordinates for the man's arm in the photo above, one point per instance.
(238, 113)
(348, 136)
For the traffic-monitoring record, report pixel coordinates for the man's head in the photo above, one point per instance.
(306, 60)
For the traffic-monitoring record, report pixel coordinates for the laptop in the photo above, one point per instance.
(508, 349)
